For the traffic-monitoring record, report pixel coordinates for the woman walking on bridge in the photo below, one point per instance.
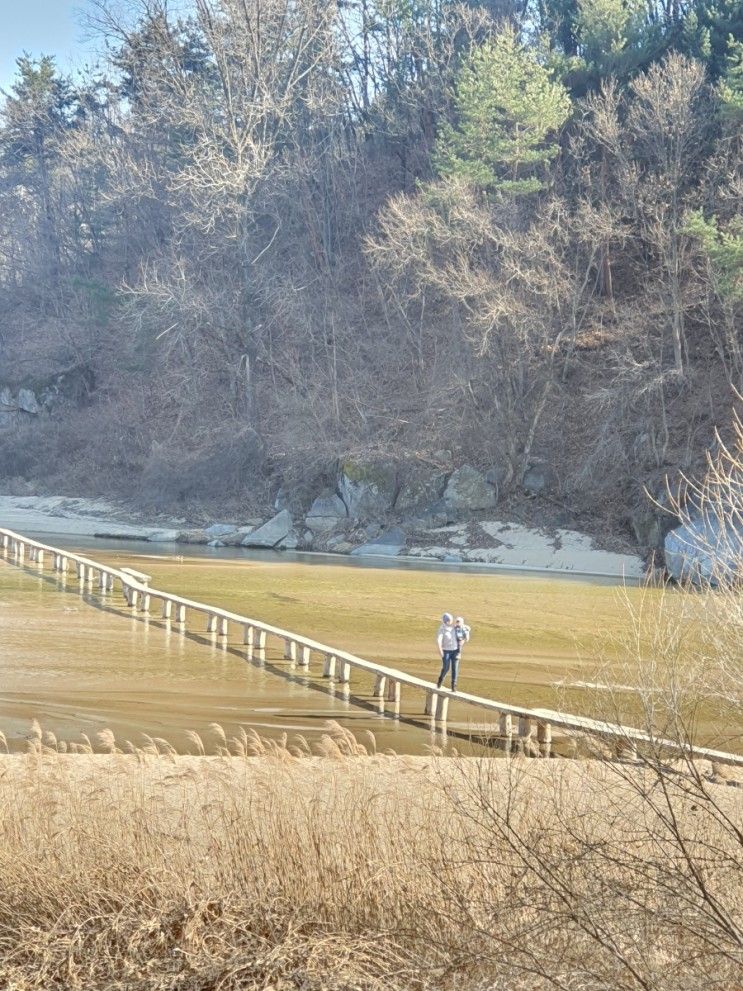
(448, 646)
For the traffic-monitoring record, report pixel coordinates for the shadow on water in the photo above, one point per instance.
(287, 673)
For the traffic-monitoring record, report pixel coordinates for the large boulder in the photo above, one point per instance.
(271, 533)
(538, 478)
(368, 489)
(218, 530)
(163, 536)
(467, 490)
(420, 487)
(290, 542)
(389, 543)
(193, 537)
(28, 402)
(704, 550)
(326, 512)
(8, 408)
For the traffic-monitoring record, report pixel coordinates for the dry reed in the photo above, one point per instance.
(355, 870)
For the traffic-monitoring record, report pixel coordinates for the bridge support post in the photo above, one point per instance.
(180, 613)
(380, 683)
(224, 626)
(345, 673)
(393, 693)
(248, 635)
(290, 650)
(304, 657)
(211, 623)
(506, 728)
(544, 738)
(167, 608)
(442, 708)
(328, 670)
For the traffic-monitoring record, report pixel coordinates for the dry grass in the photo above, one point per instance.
(347, 869)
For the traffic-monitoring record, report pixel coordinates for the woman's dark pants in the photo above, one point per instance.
(449, 660)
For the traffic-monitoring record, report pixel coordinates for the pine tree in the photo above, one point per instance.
(508, 110)
(731, 88)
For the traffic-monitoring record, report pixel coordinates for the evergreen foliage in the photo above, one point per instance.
(508, 113)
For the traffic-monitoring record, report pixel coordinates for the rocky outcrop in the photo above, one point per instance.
(290, 542)
(368, 489)
(14, 407)
(28, 402)
(326, 512)
(420, 488)
(538, 478)
(219, 530)
(164, 536)
(389, 543)
(271, 533)
(704, 550)
(467, 491)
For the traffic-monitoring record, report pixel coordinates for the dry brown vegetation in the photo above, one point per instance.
(234, 246)
(279, 869)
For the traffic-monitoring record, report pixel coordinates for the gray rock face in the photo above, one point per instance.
(307, 540)
(220, 529)
(271, 533)
(193, 537)
(290, 542)
(390, 543)
(420, 487)
(368, 489)
(468, 490)
(163, 536)
(538, 478)
(28, 402)
(326, 512)
(235, 539)
(703, 551)
(216, 543)
(6, 399)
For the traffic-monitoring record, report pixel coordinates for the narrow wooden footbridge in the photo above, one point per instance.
(529, 726)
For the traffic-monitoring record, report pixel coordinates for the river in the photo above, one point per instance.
(79, 664)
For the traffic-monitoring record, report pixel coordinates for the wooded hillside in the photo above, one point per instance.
(264, 235)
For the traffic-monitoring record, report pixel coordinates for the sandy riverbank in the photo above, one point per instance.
(499, 544)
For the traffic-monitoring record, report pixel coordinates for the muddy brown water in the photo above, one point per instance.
(79, 663)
